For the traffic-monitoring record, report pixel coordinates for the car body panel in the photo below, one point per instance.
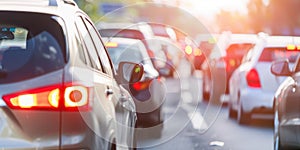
(151, 98)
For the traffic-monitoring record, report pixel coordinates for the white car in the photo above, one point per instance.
(252, 85)
(223, 59)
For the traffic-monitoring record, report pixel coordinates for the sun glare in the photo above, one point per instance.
(209, 8)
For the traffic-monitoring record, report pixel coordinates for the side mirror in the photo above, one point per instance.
(281, 68)
(130, 72)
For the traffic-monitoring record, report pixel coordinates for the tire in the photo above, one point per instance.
(158, 131)
(112, 146)
(243, 117)
(159, 125)
(205, 94)
(232, 113)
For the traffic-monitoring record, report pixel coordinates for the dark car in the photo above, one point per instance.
(148, 94)
(58, 84)
(287, 106)
(154, 42)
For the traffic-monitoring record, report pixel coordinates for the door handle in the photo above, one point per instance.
(109, 91)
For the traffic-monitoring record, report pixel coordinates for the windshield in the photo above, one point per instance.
(125, 52)
(28, 47)
(272, 54)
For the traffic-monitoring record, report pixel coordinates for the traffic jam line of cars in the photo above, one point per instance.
(261, 80)
(263, 86)
(66, 84)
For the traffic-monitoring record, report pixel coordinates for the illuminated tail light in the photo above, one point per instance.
(65, 98)
(230, 65)
(197, 52)
(188, 50)
(138, 86)
(253, 79)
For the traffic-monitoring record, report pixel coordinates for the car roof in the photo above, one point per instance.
(243, 38)
(280, 41)
(121, 40)
(129, 41)
(62, 8)
(126, 33)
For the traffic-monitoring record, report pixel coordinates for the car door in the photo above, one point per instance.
(121, 99)
(101, 119)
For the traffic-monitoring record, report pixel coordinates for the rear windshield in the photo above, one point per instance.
(272, 54)
(30, 45)
(124, 52)
(238, 50)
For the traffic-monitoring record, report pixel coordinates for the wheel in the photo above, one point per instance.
(205, 93)
(243, 117)
(112, 146)
(232, 113)
(157, 133)
(160, 124)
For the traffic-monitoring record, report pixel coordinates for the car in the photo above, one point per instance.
(223, 59)
(252, 85)
(58, 86)
(148, 94)
(286, 105)
(159, 40)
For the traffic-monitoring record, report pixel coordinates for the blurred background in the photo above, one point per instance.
(274, 17)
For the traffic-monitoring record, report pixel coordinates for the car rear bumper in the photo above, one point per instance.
(256, 100)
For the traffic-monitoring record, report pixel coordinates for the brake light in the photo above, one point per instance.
(292, 47)
(197, 52)
(188, 49)
(138, 86)
(56, 97)
(75, 96)
(253, 79)
(230, 65)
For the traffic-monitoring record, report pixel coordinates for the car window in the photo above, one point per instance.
(81, 51)
(29, 49)
(125, 53)
(89, 45)
(272, 54)
(238, 50)
(248, 56)
(99, 48)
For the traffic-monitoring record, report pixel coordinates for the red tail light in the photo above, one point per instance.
(57, 97)
(138, 86)
(230, 64)
(253, 79)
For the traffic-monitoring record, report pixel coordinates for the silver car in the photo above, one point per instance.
(58, 85)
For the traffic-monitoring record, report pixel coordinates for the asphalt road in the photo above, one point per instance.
(191, 123)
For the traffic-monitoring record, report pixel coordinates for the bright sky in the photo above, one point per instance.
(208, 8)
